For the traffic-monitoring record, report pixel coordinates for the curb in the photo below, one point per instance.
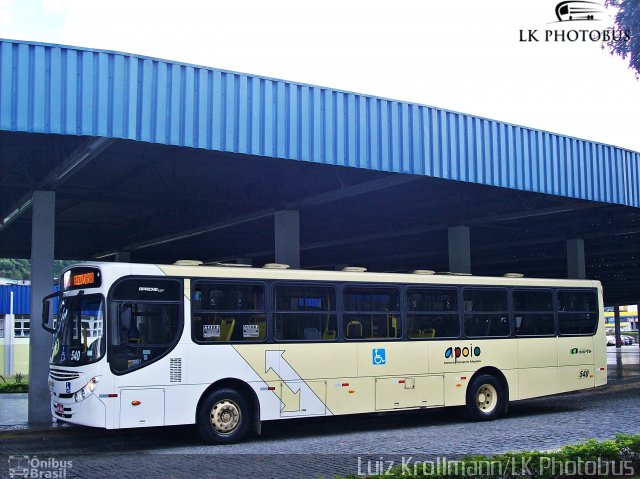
(23, 430)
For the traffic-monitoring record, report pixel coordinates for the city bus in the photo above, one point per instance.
(226, 348)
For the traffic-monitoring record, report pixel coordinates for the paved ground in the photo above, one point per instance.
(324, 447)
(311, 448)
(13, 409)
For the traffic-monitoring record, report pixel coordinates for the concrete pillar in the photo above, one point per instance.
(122, 257)
(287, 237)
(9, 333)
(616, 312)
(575, 259)
(459, 249)
(42, 251)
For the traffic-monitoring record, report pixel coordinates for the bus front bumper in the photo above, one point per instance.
(89, 412)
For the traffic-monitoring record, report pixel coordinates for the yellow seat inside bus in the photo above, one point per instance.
(329, 333)
(226, 328)
(388, 329)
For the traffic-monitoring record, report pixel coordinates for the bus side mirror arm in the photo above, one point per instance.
(45, 312)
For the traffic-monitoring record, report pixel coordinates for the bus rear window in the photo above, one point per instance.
(577, 312)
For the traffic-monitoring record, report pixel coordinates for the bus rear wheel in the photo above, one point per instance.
(224, 417)
(486, 398)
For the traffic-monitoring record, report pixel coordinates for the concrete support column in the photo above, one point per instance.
(287, 237)
(9, 333)
(575, 259)
(42, 251)
(122, 257)
(616, 312)
(459, 249)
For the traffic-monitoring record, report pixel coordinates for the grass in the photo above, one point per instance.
(15, 384)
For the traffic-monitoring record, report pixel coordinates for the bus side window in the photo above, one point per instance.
(578, 312)
(486, 312)
(304, 313)
(146, 321)
(228, 312)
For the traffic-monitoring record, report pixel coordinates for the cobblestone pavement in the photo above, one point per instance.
(310, 448)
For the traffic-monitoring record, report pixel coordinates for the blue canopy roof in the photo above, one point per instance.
(77, 91)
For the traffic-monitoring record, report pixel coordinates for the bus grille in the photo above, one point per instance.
(62, 375)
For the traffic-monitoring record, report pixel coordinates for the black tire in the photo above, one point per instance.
(224, 417)
(486, 398)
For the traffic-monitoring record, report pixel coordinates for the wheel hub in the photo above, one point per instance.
(225, 416)
(487, 398)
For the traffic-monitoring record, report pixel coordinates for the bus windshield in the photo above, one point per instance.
(78, 337)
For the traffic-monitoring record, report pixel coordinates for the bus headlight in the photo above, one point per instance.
(86, 390)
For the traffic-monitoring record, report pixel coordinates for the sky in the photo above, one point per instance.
(464, 56)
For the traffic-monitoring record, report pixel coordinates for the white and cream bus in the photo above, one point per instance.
(226, 348)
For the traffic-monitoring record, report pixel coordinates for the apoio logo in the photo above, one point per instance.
(457, 352)
(570, 13)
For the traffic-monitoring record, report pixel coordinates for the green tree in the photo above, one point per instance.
(627, 19)
(20, 269)
(12, 268)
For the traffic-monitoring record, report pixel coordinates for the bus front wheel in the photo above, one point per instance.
(486, 398)
(224, 417)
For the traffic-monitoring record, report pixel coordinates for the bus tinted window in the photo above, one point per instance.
(579, 301)
(143, 330)
(577, 312)
(371, 313)
(228, 312)
(432, 313)
(533, 312)
(371, 299)
(305, 313)
(486, 312)
(228, 297)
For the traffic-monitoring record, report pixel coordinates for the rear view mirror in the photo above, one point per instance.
(47, 312)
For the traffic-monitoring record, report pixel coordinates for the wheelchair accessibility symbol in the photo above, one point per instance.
(379, 357)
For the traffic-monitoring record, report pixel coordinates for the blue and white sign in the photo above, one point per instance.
(378, 357)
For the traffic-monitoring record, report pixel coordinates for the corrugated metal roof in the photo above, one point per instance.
(21, 299)
(75, 91)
